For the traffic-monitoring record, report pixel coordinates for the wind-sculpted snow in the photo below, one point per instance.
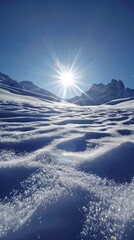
(66, 172)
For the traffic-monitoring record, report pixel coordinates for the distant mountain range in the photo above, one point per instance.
(101, 93)
(97, 94)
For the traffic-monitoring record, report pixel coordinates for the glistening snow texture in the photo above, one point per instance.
(66, 172)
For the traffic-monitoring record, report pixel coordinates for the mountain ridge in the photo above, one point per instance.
(96, 95)
(101, 93)
(8, 81)
(30, 86)
(14, 86)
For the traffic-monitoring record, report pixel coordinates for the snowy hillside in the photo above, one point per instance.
(5, 80)
(101, 93)
(28, 85)
(26, 88)
(66, 171)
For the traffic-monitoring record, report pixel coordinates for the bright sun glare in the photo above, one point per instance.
(67, 78)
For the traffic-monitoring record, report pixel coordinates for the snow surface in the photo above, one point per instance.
(66, 172)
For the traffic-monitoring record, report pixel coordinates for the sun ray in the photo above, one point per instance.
(81, 90)
(67, 74)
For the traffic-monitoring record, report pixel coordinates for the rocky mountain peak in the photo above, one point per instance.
(101, 93)
(117, 84)
(121, 84)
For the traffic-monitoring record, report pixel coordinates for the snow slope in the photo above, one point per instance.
(28, 85)
(25, 88)
(66, 171)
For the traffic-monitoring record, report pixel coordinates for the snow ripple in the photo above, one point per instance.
(66, 172)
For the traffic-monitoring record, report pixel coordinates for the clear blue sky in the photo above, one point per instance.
(101, 31)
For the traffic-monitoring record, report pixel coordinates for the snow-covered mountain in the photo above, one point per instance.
(26, 88)
(30, 86)
(6, 81)
(101, 93)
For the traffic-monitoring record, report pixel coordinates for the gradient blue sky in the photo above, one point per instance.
(98, 34)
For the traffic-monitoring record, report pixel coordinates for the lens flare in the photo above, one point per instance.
(67, 70)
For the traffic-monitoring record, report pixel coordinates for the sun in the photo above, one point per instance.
(67, 78)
